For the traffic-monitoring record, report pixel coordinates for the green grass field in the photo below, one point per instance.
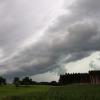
(70, 92)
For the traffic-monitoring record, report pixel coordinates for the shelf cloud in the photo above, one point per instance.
(29, 45)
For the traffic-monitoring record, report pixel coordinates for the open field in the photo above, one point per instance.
(70, 92)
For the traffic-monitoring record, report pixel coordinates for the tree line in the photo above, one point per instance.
(26, 81)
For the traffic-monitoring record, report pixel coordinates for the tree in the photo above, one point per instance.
(16, 81)
(54, 83)
(2, 81)
(26, 81)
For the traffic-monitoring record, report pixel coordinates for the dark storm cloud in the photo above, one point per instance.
(18, 20)
(76, 33)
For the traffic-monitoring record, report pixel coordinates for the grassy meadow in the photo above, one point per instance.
(69, 92)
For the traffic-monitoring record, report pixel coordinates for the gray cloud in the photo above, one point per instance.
(76, 33)
(19, 20)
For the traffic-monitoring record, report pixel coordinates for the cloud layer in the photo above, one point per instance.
(72, 36)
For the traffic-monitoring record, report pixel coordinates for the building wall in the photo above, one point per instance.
(93, 77)
(97, 78)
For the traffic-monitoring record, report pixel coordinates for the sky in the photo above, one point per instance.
(45, 38)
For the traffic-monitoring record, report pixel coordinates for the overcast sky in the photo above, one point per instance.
(46, 38)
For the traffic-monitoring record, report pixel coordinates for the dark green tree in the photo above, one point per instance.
(16, 81)
(2, 81)
(26, 81)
